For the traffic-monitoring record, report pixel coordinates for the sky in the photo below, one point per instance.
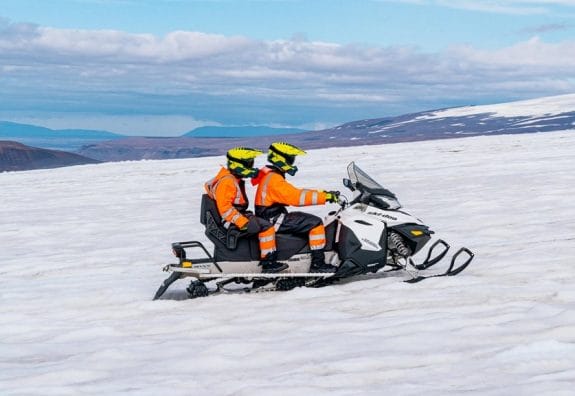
(82, 250)
(163, 68)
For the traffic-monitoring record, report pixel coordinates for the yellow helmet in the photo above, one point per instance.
(282, 155)
(241, 161)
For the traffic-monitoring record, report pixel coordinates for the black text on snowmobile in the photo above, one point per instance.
(364, 235)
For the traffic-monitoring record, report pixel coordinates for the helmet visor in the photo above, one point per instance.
(249, 163)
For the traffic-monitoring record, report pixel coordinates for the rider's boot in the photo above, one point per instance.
(318, 263)
(270, 264)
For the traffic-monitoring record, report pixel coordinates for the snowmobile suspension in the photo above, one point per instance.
(396, 241)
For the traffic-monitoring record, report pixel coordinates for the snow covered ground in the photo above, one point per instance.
(81, 251)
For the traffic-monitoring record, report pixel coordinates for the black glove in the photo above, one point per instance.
(252, 226)
(331, 196)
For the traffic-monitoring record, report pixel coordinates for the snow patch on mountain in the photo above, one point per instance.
(525, 108)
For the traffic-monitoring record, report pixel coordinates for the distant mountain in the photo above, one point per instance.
(62, 139)
(241, 131)
(15, 156)
(554, 113)
(538, 115)
(137, 148)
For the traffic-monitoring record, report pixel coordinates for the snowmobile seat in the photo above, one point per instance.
(215, 230)
(233, 245)
(230, 244)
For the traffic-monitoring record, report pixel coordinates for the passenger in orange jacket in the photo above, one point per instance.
(274, 193)
(227, 189)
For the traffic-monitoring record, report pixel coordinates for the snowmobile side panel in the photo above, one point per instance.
(357, 260)
(247, 249)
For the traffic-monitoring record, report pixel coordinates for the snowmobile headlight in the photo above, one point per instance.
(416, 233)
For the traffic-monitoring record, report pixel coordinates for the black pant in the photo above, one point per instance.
(263, 224)
(256, 224)
(298, 223)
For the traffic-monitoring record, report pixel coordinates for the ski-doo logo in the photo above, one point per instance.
(375, 245)
(201, 266)
(382, 215)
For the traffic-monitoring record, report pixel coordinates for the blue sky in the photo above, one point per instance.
(165, 67)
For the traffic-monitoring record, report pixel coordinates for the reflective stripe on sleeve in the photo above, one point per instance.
(302, 198)
(227, 213)
(265, 189)
(314, 198)
(236, 217)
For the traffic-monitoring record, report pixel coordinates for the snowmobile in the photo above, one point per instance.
(367, 234)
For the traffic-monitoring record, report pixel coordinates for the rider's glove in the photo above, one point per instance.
(252, 226)
(331, 196)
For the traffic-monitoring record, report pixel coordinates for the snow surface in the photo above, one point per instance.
(82, 250)
(524, 108)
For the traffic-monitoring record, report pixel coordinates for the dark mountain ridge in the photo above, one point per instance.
(15, 156)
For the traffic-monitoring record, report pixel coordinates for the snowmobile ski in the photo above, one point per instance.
(452, 270)
(429, 262)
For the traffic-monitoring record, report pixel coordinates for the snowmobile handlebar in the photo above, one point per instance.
(342, 201)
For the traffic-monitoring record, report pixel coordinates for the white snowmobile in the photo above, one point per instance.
(363, 236)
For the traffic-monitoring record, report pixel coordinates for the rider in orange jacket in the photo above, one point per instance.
(227, 189)
(274, 193)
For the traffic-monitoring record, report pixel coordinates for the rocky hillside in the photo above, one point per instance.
(16, 156)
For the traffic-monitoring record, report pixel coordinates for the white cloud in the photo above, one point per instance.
(110, 45)
(71, 65)
(524, 7)
(556, 57)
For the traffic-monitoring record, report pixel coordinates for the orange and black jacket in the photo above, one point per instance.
(274, 193)
(230, 195)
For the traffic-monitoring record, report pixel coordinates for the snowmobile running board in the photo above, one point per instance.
(198, 273)
(177, 272)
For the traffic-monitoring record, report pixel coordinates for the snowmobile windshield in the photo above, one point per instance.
(365, 184)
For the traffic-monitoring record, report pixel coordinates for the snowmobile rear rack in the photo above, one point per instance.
(179, 251)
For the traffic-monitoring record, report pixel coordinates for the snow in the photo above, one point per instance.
(524, 108)
(82, 250)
